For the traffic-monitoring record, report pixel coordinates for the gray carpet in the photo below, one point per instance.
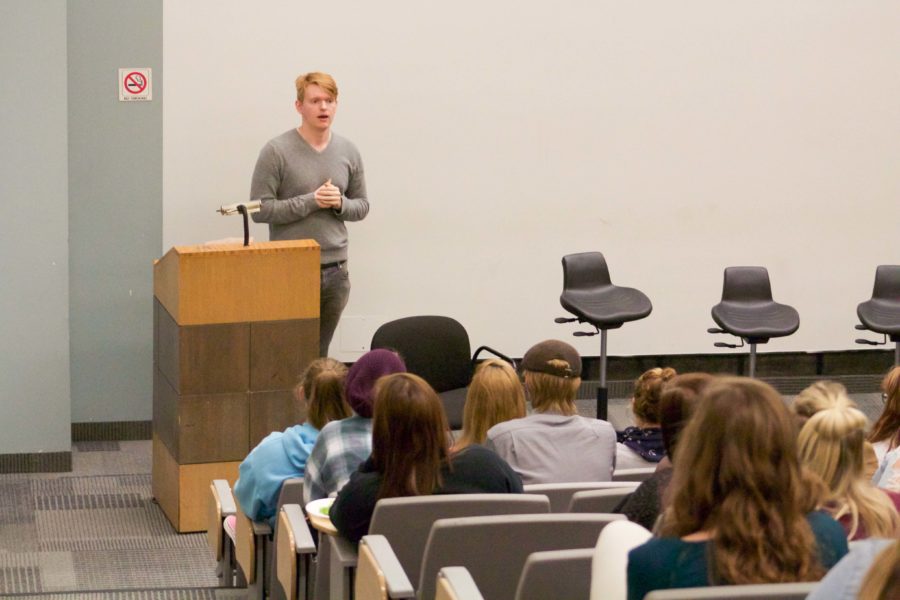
(96, 528)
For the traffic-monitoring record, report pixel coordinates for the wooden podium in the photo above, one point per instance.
(233, 328)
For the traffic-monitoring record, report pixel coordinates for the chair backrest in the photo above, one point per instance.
(746, 284)
(406, 522)
(887, 283)
(494, 549)
(609, 569)
(433, 347)
(560, 494)
(762, 591)
(556, 574)
(599, 501)
(638, 474)
(584, 271)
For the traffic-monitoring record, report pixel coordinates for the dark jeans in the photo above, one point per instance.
(333, 298)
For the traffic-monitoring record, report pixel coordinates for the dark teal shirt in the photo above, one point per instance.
(664, 563)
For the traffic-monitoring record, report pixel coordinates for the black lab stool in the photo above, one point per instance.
(881, 314)
(747, 311)
(592, 298)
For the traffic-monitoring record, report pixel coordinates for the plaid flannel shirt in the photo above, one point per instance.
(340, 448)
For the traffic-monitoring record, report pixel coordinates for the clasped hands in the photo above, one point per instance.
(328, 196)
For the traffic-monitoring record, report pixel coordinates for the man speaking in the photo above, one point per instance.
(310, 181)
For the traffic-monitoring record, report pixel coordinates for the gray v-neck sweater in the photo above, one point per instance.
(286, 176)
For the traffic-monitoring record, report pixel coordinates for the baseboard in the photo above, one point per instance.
(36, 462)
(817, 365)
(110, 431)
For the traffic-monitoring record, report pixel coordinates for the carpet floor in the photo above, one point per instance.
(96, 528)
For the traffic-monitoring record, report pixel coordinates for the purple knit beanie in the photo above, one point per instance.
(364, 373)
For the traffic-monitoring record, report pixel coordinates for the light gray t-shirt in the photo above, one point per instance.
(287, 174)
(554, 448)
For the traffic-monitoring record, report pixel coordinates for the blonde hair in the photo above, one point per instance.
(737, 476)
(888, 424)
(551, 393)
(647, 392)
(323, 388)
(831, 445)
(882, 581)
(820, 396)
(495, 395)
(323, 80)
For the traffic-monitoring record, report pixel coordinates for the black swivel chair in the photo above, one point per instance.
(748, 311)
(436, 349)
(589, 294)
(881, 313)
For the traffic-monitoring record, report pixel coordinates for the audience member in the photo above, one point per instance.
(494, 395)
(283, 454)
(831, 446)
(885, 435)
(830, 394)
(555, 444)
(343, 445)
(676, 403)
(410, 457)
(642, 446)
(870, 572)
(740, 512)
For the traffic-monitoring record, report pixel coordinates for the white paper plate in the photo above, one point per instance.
(316, 517)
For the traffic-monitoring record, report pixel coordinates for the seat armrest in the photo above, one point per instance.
(460, 581)
(396, 581)
(299, 528)
(226, 498)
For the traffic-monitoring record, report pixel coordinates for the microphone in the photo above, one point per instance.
(232, 209)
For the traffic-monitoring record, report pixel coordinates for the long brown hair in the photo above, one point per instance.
(737, 477)
(831, 445)
(323, 390)
(410, 436)
(882, 581)
(888, 424)
(495, 395)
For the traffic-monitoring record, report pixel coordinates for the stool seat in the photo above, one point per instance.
(756, 321)
(607, 307)
(881, 314)
(589, 294)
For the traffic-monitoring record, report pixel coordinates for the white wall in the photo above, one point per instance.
(677, 138)
(34, 294)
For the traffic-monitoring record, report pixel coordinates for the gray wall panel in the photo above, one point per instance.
(34, 297)
(115, 191)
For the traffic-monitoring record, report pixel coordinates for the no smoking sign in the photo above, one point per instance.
(135, 85)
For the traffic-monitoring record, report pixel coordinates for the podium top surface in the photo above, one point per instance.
(231, 283)
(212, 248)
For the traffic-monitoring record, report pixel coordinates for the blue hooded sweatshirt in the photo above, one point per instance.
(281, 455)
